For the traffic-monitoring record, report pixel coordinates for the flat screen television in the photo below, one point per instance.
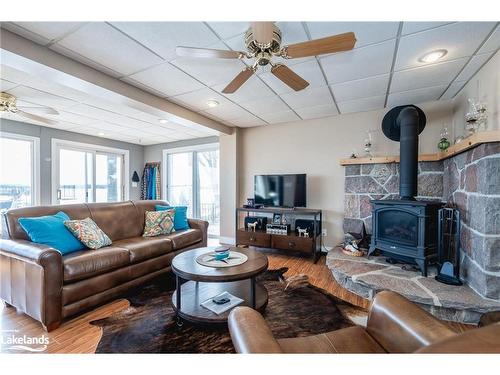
(280, 190)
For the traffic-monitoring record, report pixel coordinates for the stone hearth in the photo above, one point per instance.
(366, 276)
(469, 180)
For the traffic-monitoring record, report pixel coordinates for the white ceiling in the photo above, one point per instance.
(82, 113)
(383, 70)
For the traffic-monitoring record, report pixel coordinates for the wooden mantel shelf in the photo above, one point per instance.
(468, 143)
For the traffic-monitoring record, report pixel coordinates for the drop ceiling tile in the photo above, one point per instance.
(359, 63)
(308, 97)
(459, 39)
(210, 71)
(227, 111)
(247, 121)
(265, 105)
(415, 27)
(27, 94)
(6, 85)
(109, 116)
(473, 66)
(226, 30)
(453, 90)
(292, 32)
(366, 32)
(167, 79)
(63, 125)
(77, 119)
(84, 60)
(361, 88)
(107, 127)
(252, 89)
(362, 105)
(280, 117)
(308, 70)
(426, 76)
(107, 46)
(415, 96)
(237, 42)
(493, 42)
(164, 37)
(197, 100)
(42, 32)
(317, 111)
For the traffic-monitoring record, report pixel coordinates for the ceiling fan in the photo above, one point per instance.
(8, 104)
(263, 41)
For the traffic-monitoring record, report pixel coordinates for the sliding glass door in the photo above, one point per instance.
(85, 175)
(192, 179)
(19, 174)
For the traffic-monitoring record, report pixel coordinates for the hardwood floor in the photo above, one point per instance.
(79, 336)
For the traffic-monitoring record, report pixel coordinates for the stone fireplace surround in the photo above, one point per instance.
(470, 180)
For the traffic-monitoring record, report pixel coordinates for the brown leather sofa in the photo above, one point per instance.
(39, 281)
(395, 325)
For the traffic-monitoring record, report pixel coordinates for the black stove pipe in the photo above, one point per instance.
(408, 123)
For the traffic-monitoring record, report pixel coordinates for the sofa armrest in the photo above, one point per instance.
(201, 225)
(32, 280)
(401, 326)
(250, 332)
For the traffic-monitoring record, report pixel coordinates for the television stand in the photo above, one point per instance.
(291, 242)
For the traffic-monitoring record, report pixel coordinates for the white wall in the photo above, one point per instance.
(315, 147)
(229, 187)
(489, 93)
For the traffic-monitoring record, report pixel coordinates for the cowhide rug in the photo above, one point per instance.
(149, 324)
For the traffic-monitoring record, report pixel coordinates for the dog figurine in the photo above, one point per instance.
(253, 226)
(302, 232)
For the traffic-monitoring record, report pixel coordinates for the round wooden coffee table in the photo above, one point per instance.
(196, 284)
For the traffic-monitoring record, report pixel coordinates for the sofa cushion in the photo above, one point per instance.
(50, 230)
(142, 248)
(88, 233)
(158, 223)
(84, 264)
(347, 340)
(184, 238)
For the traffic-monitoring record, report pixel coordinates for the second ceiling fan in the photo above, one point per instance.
(263, 41)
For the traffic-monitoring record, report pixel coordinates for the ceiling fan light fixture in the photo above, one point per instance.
(433, 56)
(212, 103)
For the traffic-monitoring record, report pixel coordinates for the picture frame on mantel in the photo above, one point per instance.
(276, 218)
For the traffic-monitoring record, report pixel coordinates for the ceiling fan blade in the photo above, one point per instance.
(262, 31)
(289, 77)
(240, 79)
(36, 118)
(41, 110)
(330, 44)
(207, 52)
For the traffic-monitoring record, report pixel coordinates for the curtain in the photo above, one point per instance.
(151, 181)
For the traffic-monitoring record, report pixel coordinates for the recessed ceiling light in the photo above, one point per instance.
(433, 56)
(162, 121)
(100, 134)
(212, 103)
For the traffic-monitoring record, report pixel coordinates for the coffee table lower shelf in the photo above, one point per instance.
(194, 293)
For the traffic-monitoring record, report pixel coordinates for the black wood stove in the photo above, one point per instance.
(405, 229)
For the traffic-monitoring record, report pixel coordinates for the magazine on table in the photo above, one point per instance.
(220, 309)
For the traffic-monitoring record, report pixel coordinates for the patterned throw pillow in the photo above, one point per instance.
(88, 233)
(159, 222)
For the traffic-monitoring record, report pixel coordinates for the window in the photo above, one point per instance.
(192, 179)
(19, 171)
(88, 173)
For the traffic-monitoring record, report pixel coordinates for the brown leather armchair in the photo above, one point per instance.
(395, 325)
(49, 287)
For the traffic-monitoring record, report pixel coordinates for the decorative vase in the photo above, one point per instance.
(443, 144)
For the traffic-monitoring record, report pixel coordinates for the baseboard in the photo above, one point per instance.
(227, 240)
